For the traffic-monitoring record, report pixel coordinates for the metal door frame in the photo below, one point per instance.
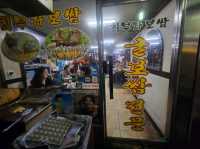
(183, 105)
(174, 75)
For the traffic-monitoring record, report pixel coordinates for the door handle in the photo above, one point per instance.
(110, 66)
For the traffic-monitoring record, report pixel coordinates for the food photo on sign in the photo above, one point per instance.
(63, 57)
(52, 60)
(67, 43)
(58, 49)
(20, 47)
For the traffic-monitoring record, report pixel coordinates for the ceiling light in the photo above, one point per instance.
(133, 1)
(155, 43)
(94, 47)
(108, 41)
(152, 38)
(105, 22)
(141, 16)
(120, 45)
(108, 21)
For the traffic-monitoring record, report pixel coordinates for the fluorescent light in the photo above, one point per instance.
(152, 38)
(141, 16)
(94, 47)
(108, 41)
(92, 23)
(105, 22)
(108, 21)
(120, 45)
(154, 43)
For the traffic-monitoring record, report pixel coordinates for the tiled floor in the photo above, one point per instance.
(117, 114)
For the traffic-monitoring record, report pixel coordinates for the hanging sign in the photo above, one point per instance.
(137, 82)
(67, 43)
(71, 16)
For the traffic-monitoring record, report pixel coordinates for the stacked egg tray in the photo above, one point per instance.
(51, 131)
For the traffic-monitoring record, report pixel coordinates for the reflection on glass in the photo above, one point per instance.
(155, 49)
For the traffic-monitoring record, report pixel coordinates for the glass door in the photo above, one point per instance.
(137, 46)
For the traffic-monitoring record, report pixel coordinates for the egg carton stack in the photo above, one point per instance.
(51, 131)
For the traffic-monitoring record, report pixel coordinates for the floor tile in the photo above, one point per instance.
(117, 114)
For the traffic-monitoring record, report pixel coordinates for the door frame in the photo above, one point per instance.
(174, 79)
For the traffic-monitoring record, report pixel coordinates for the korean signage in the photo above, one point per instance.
(69, 43)
(71, 16)
(137, 82)
(137, 26)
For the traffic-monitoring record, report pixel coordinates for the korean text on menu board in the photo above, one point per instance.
(71, 15)
(137, 82)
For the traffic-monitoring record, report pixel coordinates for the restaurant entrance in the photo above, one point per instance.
(137, 54)
(93, 74)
